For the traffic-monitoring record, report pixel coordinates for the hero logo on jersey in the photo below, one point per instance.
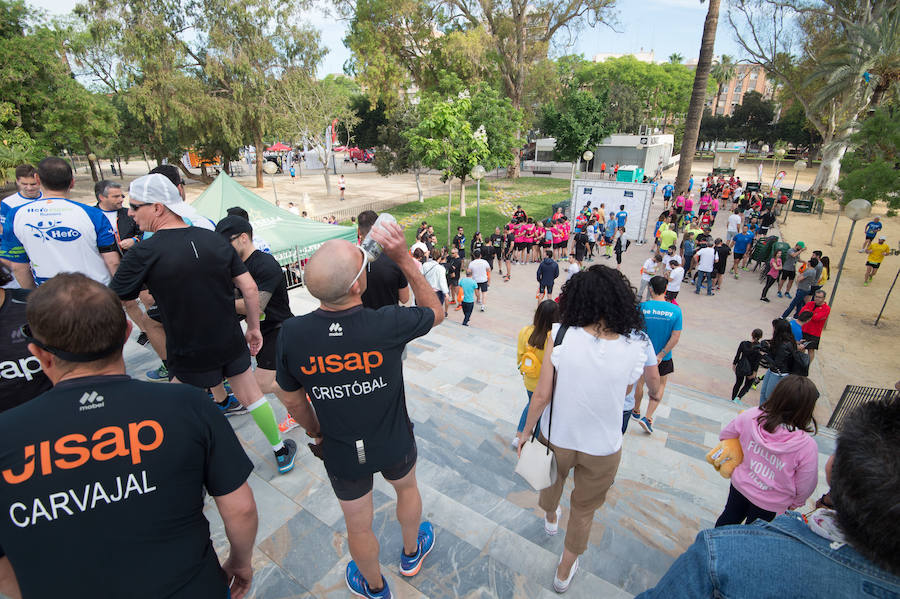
(335, 330)
(51, 230)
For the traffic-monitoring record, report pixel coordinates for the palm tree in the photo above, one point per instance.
(698, 96)
(676, 58)
(722, 72)
(869, 61)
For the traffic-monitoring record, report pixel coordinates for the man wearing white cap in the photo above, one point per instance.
(56, 234)
(191, 273)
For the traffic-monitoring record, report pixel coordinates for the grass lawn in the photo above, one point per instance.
(499, 199)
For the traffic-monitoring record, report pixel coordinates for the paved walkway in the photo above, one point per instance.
(465, 397)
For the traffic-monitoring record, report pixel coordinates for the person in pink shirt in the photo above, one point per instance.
(704, 204)
(520, 241)
(714, 208)
(780, 468)
(556, 233)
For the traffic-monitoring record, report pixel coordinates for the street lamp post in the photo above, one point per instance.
(93, 158)
(779, 154)
(271, 169)
(798, 166)
(478, 174)
(587, 157)
(854, 210)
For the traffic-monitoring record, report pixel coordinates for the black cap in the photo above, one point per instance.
(234, 225)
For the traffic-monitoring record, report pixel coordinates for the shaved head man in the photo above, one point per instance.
(347, 357)
(330, 272)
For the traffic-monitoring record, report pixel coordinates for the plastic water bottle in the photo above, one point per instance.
(371, 247)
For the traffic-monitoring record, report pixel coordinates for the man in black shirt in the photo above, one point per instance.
(348, 358)
(766, 220)
(387, 284)
(21, 377)
(723, 252)
(273, 296)
(454, 270)
(191, 273)
(459, 242)
(496, 242)
(101, 477)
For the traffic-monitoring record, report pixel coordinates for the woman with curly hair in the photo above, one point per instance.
(600, 333)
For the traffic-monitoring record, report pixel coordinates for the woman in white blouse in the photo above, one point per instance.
(602, 339)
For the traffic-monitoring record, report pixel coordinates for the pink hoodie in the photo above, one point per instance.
(780, 470)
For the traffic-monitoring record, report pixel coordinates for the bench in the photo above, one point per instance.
(541, 172)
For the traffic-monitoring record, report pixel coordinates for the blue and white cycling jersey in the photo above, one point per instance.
(13, 201)
(58, 235)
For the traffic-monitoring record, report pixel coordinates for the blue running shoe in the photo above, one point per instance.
(409, 566)
(159, 374)
(285, 456)
(356, 582)
(646, 424)
(232, 407)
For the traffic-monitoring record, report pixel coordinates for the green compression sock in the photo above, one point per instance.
(264, 417)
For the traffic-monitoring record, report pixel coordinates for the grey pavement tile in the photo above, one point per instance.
(272, 582)
(429, 343)
(304, 547)
(415, 350)
(276, 506)
(473, 385)
(700, 422)
(693, 450)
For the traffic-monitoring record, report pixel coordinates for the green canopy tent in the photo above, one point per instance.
(291, 237)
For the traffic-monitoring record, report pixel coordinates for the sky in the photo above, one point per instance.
(664, 26)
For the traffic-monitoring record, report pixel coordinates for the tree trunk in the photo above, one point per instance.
(258, 144)
(202, 177)
(830, 168)
(119, 161)
(145, 159)
(462, 196)
(665, 120)
(87, 152)
(327, 159)
(419, 188)
(698, 97)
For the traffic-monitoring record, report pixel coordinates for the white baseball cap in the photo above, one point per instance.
(158, 189)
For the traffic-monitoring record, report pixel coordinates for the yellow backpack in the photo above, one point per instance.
(530, 365)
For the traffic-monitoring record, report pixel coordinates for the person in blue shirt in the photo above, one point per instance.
(844, 548)
(797, 325)
(690, 183)
(740, 243)
(872, 229)
(662, 323)
(668, 191)
(621, 217)
(609, 233)
(653, 185)
(468, 286)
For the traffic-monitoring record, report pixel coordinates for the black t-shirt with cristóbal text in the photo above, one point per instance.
(267, 273)
(100, 489)
(349, 363)
(21, 377)
(189, 271)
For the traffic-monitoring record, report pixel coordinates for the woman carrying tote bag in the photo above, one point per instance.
(603, 337)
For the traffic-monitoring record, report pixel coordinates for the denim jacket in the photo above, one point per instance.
(782, 558)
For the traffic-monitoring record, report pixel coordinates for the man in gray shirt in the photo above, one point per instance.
(805, 282)
(788, 268)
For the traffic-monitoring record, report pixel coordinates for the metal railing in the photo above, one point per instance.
(855, 396)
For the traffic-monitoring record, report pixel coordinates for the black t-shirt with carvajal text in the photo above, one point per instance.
(100, 489)
(21, 376)
(349, 363)
(384, 280)
(267, 273)
(189, 271)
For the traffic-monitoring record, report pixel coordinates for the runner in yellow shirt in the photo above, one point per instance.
(876, 253)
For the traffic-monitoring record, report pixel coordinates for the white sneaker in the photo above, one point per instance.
(561, 586)
(551, 528)
(515, 442)
(482, 307)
